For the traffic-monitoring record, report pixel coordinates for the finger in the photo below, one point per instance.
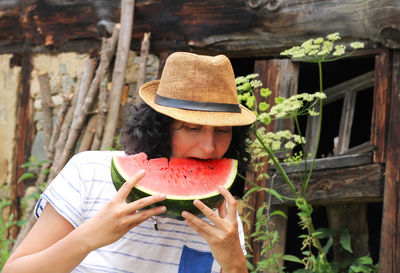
(222, 210)
(126, 188)
(143, 215)
(232, 205)
(145, 202)
(209, 213)
(200, 226)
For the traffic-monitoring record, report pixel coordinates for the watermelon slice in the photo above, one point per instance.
(181, 179)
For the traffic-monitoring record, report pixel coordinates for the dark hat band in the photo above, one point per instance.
(199, 106)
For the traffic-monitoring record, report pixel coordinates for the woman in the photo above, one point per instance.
(86, 226)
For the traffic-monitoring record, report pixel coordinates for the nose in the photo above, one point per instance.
(207, 141)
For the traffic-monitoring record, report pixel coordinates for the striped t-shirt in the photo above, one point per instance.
(84, 186)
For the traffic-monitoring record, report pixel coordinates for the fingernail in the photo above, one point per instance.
(142, 171)
(163, 209)
(184, 214)
(162, 195)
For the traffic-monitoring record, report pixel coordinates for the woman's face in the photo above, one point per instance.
(199, 141)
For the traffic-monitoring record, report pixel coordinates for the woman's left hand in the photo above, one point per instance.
(222, 237)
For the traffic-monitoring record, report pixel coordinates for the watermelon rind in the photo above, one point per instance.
(174, 204)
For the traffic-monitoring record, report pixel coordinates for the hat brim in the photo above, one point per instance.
(148, 93)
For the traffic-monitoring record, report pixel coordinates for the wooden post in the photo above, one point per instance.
(390, 233)
(350, 216)
(24, 138)
(118, 75)
(144, 54)
(381, 105)
(281, 76)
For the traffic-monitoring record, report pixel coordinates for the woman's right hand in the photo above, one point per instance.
(117, 217)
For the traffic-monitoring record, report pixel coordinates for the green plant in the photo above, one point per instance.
(278, 148)
(5, 224)
(34, 169)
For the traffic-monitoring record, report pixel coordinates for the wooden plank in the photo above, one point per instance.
(346, 121)
(343, 185)
(390, 233)
(333, 162)
(236, 27)
(363, 148)
(381, 104)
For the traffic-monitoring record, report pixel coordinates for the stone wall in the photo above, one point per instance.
(65, 70)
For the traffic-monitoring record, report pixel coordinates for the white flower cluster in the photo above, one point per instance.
(320, 49)
(296, 105)
(277, 141)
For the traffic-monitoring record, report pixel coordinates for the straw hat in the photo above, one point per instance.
(197, 89)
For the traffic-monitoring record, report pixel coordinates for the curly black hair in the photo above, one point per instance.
(148, 131)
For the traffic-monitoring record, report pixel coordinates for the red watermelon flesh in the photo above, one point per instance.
(180, 178)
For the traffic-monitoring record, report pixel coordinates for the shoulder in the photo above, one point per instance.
(93, 158)
(96, 156)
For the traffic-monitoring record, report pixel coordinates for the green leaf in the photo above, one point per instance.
(345, 241)
(249, 265)
(276, 194)
(279, 212)
(256, 188)
(328, 245)
(292, 258)
(25, 176)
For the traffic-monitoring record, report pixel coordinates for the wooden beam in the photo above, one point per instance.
(237, 27)
(381, 104)
(24, 138)
(281, 76)
(390, 233)
(334, 162)
(355, 184)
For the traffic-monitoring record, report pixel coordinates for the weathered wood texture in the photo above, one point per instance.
(355, 184)
(23, 137)
(237, 27)
(281, 76)
(352, 217)
(381, 104)
(390, 233)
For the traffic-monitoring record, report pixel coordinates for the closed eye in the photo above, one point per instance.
(193, 128)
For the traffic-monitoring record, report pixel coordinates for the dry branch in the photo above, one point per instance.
(118, 77)
(102, 111)
(90, 66)
(62, 138)
(57, 128)
(105, 59)
(144, 54)
(87, 138)
(47, 107)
